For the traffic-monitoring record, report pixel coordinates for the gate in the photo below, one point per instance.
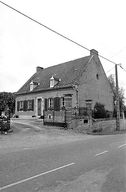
(55, 118)
(63, 118)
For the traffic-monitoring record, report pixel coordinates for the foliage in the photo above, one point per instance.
(7, 102)
(99, 111)
(125, 111)
(121, 93)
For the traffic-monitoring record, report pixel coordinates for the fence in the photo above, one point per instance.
(55, 118)
(74, 118)
(63, 117)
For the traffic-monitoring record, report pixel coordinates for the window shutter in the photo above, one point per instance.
(32, 104)
(25, 105)
(62, 102)
(57, 103)
(18, 103)
(55, 106)
(52, 103)
(45, 107)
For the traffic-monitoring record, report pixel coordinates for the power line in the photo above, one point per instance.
(107, 59)
(122, 67)
(63, 36)
(34, 20)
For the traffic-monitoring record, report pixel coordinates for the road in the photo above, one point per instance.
(92, 165)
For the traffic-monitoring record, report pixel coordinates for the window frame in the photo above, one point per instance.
(50, 103)
(29, 105)
(62, 103)
(21, 105)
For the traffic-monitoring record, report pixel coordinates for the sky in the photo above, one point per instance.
(24, 45)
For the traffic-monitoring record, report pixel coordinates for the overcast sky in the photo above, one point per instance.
(24, 45)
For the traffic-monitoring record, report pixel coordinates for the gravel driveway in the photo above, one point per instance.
(32, 134)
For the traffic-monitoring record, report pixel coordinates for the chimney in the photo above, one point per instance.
(93, 52)
(38, 69)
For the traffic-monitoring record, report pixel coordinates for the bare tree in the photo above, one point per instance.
(121, 93)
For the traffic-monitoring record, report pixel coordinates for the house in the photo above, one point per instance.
(64, 86)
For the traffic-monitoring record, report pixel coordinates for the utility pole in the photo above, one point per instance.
(117, 101)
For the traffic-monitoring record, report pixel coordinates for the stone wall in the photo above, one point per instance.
(94, 86)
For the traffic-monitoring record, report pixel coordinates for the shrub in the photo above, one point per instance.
(99, 111)
(97, 130)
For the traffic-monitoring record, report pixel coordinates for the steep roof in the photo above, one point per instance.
(68, 72)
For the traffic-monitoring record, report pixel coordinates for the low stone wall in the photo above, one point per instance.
(78, 125)
(109, 125)
(104, 125)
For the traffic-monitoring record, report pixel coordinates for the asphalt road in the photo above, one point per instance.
(97, 164)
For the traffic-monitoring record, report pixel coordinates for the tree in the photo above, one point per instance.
(125, 111)
(7, 102)
(121, 93)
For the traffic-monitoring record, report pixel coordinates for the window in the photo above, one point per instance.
(50, 103)
(21, 105)
(68, 102)
(58, 103)
(29, 105)
(52, 82)
(33, 85)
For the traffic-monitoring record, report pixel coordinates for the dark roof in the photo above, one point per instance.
(68, 72)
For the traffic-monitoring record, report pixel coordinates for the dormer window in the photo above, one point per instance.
(33, 85)
(53, 81)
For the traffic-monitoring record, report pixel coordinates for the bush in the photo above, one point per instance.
(97, 130)
(99, 111)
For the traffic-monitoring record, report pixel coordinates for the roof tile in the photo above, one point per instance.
(69, 73)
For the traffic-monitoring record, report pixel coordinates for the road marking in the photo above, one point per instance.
(101, 153)
(35, 176)
(121, 146)
(25, 148)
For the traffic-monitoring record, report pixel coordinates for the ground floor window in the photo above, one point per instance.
(30, 105)
(51, 103)
(26, 105)
(20, 105)
(68, 102)
(58, 103)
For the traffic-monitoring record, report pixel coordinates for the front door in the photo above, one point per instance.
(39, 107)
